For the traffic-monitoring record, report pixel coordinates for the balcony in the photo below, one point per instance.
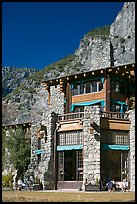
(114, 115)
(70, 116)
(80, 115)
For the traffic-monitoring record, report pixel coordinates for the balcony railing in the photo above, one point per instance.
(114, 115)
(80, 115)
(70, 116)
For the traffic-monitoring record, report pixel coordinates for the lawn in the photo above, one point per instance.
(61, 196)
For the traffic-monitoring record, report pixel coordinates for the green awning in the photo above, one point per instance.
(115, 147)
(38, 151)
(88, 103)
(69, 147)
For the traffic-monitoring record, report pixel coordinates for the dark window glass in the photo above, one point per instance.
(118, 86)
(75, 90)
(39, 158)
(79, 109)
(115, 137)
(94, 86)
(81, 88)
(39, 143)
(116, 107)
(88, 85)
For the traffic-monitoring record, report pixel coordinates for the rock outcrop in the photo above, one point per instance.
(115, 47)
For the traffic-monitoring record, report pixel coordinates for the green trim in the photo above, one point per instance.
(114, 147)
(89, 103)
(38, 151)
(121, 103)
(69, 147)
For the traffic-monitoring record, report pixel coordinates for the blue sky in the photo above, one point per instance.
(36, 34)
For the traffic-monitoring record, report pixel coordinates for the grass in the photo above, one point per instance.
(61, 196)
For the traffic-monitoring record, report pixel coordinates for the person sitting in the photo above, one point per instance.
(109, 185)
(113, 185)
(20, 184)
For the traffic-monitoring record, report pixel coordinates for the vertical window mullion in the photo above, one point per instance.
(98, 86)
(76, 165)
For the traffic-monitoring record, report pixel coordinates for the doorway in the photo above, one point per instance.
(70, 165)
(114, 164)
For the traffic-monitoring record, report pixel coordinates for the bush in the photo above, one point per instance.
(7, 180)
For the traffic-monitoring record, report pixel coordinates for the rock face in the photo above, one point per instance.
(122, 35)
(13, 77)
(115, 48)
(96, 53)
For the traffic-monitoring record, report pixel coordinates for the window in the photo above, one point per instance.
(75, 90)
(80, 166)
(87, 87)
(79, 109)
(118, 87)
(39, 143)
(82, 88)
(116, 107)
(94, 86)
(70, 138)
(115, 137)
(61, 166)
(39, 158)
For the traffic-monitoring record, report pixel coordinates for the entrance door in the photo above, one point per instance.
(70, 165)
(114, 164)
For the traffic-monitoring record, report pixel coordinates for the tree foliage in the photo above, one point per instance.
(3, 148)
(104, 30)
(18, 146)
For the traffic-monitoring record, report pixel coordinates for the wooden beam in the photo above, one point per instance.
(116, 71)
(107, 91)
(101, 71)
(61, 85)
(110, 70)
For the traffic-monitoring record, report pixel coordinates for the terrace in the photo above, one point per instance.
(80, 115)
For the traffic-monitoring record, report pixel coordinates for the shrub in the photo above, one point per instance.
(7, 180)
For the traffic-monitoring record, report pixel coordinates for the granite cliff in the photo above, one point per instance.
(23, 95)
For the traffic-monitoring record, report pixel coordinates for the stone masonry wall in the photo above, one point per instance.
(132, 150)
(91, 146)
(45, 169)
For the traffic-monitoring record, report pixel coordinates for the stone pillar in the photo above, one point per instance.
(91, 145)
(132, 150)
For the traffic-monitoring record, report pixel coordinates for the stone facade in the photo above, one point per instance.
(91, 145)
(132, 150)
(44, 170)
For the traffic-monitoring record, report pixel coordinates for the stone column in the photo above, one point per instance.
(91, 145)
(132, 150)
